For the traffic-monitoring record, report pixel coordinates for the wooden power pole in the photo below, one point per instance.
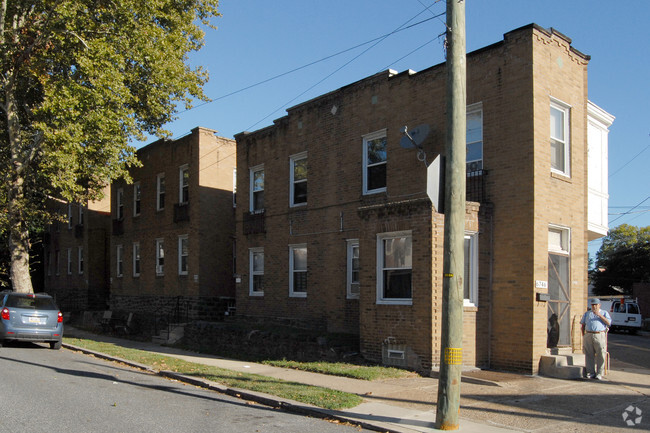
(451, 352)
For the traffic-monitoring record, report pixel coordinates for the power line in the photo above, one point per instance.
(630, 211)
(378, 41)
(633, 158)
(309, 64)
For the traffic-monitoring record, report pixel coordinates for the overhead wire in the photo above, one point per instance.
(378, 41)
(266, 80)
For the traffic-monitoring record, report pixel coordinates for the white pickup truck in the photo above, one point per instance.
(624, 312)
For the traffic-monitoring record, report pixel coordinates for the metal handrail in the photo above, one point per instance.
(178, 312)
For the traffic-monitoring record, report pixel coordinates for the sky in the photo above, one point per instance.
(267, 56)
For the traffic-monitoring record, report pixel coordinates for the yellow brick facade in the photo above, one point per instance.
(513, 82)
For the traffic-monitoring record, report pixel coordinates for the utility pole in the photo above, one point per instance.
(451, 352)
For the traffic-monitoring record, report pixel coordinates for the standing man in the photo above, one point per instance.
(594, 339)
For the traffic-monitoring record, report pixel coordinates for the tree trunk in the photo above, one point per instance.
(18, 232)
(19, 249)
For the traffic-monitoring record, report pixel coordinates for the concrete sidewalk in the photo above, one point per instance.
(490, 401)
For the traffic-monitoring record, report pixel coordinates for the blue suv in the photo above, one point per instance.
(30, 317)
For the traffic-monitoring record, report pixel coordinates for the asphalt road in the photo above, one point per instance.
(629, 351)
(43, 390)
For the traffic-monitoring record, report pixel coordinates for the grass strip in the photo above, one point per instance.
(343, 369)
(314, 395)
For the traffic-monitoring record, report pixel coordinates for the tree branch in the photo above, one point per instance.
(3, 14)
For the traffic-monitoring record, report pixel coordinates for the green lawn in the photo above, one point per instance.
(317, 396)
(342, 369)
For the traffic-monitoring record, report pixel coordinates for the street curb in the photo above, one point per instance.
(257, 397)
(109, 357)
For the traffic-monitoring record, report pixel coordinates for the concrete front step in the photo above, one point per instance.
(169, 337)
(562, 366)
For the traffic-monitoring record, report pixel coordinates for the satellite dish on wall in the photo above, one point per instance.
(415, 137)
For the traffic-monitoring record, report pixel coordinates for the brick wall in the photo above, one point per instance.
(514, 82)
(206, 220)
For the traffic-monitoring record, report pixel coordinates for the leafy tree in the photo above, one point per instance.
(80, 79)
(623, 259)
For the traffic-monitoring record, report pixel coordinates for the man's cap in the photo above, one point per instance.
(594, 301)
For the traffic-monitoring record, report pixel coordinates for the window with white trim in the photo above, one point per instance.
(470, 277)
(353, 269)
(69, 261)
(160, 191)
(560, 137)
(257, 189)
(120, 204)
(119, 260)
(394, 268)
(160, 257)
(298, 181)
(474, 131)
(69, 215)
(183, 254)
(183, 184)
(136, 199)
(374, 162)
(298, 270)
(136, 259)
(80, 255)
(256, 267)
(558, 240)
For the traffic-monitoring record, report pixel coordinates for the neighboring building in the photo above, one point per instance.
(172, 228)
(75, 255)
(335, 230)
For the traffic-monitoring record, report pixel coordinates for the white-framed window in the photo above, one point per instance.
(136, 259)
(183, 254)
(474, 137)
(256, 267)
(120, 204)
(160, 191)
(257, 188)
(160, 256)
(183, 184)
(69, 216)
(298, 181)
(470, 277)
(298, 270)
(558, 239)
(352, 269)
(560, 137)
(374, 162)
(81, 215)
(80, 255)
(69, 267)
(394, 268)
(136, 198)
(119, 260)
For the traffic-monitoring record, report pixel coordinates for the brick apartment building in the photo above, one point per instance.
(335, 230)
(75, 255)
(172, 228)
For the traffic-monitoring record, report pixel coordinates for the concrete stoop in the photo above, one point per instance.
(562, 366)
(170, 337)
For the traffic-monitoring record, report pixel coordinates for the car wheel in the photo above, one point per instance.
(55, 345)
